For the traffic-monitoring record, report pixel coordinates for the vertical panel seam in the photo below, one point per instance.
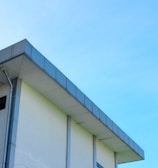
(68, 142)
(94, 152)
(115, 158)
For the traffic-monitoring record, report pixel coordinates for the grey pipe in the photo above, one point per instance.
(8, 119)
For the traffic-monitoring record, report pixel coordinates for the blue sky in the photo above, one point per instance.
(108, 48)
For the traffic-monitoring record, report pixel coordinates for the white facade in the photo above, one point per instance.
(42, 133)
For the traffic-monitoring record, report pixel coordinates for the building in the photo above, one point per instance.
(46, 121)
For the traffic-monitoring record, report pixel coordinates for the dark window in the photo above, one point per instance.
(3, 102)
(99, 166)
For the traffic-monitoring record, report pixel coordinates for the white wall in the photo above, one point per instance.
(41, 137)
(4, 91)
(81, 147)
(41, 133)
(105, 156)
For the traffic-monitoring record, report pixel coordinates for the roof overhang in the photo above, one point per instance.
(23, 61)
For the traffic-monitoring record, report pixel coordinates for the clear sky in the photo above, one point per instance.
(108, 48)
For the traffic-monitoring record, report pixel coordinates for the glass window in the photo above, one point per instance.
(2, 102)
(99, 166)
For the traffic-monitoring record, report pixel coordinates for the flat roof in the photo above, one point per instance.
(24, 61)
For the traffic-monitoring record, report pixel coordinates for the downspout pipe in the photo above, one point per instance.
(8, 118)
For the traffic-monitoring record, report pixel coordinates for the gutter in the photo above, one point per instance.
(8, 118)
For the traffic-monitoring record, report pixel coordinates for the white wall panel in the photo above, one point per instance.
(105, 156)
(41, 134)
(81, 147)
